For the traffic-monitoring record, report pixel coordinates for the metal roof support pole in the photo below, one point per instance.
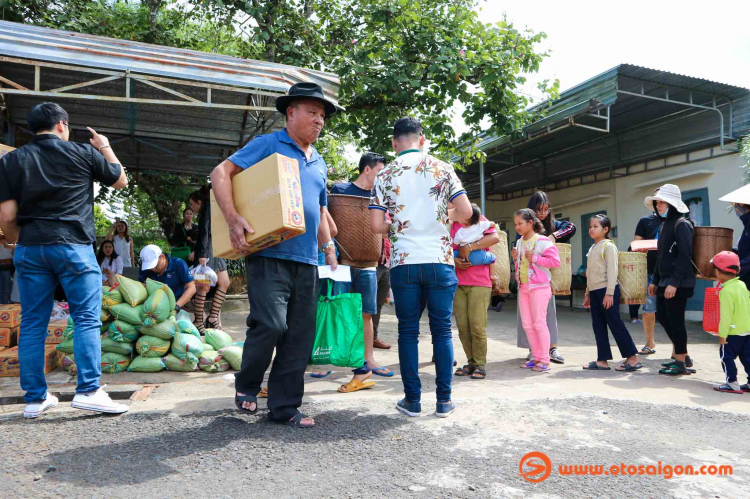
(482, 194)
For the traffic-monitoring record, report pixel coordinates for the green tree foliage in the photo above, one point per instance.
(101, 222)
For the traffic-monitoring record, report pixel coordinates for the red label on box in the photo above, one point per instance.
(55, 331)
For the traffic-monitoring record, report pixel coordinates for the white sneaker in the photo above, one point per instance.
(97, 401)
(34, 410)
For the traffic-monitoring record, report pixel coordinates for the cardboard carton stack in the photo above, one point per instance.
(10, 321)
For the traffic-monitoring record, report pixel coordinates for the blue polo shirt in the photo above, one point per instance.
(313, 173)
(176, 276)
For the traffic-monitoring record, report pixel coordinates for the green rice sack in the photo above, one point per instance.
(156, 309)
(151, 346)
(187, 327)
(207, 361)
(104, 316)
(104, 328)
(113, 363)
(233, 355)
(124, 312)
(187, 346)
(143, 364)
(123, 331)
(65, 346)
(218, 338)
(69, 329)
(68, 362)
(223, 365)
(152, 286)
(110, 345)
(240, 344)
(164, 330)
(133, 292)
(111, 296)
(172, 363)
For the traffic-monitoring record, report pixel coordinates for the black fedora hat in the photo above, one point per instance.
(305, 90)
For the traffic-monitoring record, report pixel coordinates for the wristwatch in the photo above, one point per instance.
(177, 308)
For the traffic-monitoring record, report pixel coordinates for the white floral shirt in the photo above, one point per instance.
(415, 190)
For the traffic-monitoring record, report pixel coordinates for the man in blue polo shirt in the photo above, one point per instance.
(173, 272)
(282, 279)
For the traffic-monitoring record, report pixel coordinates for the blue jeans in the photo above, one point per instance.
(39, 269)
(414, 286)
(5, 286)
(479, 257)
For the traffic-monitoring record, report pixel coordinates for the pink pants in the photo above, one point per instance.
(532, 306)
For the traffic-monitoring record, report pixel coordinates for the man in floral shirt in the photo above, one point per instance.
(415, 190)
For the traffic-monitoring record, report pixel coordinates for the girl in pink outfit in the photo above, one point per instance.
(535, 255)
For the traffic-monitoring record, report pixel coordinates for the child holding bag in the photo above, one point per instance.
(603, 298)
(535, 255)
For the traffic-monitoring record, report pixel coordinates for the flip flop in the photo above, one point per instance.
(263, 393)
(646, 351)
(628, 368)
(529, 365)
(295, 422)
(318, 375)
(593, 366)
(355, 386)
(240, 399)
(380, 371)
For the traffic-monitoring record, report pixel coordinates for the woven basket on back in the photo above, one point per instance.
(357, 243)
(502, 262)
(707, 243)
(633, 277)
(562, 275)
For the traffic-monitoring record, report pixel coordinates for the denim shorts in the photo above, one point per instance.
(365, 283)
(650, 306)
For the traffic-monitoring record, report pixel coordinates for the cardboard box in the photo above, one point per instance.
(8, 336)
(269, 196)
(10, 315)
(55, 331)
(9, 365)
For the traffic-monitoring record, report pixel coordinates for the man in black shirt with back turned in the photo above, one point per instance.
(648, 228)
(47, 205)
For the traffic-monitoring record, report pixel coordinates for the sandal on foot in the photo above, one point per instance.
(541, 368)
(628, 368)
(263, 393)
(295, 422)
(646, 351)
(241, 399)
(320, 375)
(355, 386)
(673, 371)
(593, 366)
(479, 373)
(467, 370)
(383, 371)
(528, 365)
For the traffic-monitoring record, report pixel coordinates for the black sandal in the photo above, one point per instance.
(467, 370)
(479, 373)
(241, 399)
(295, 422)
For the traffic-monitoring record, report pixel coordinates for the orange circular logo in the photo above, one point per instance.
(535, 467)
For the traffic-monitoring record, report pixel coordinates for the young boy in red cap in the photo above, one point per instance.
(734, 325)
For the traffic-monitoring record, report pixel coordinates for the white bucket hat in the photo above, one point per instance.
(741, 196)
(668, 193)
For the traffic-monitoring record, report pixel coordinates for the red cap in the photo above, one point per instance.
(728, 262)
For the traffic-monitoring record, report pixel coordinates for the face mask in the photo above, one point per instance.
(739, 211)
(665, 214)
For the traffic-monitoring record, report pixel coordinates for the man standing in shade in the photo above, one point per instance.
(415, 190)
(284, 291)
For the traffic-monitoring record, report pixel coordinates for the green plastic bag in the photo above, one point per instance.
(124, 312)
(172, 363)
(143, 364)
(208, 361)
(164, 330)
(123, 331)
(133, 292)
(233, 355)
(218, 338)
(111, 296)
(187, 327)
(339, 331)
(113, 363)
(156, 309)
(187, 346)
(65, 346)
(110, 345)
(151, 346)
(152, 286)
(69, 330)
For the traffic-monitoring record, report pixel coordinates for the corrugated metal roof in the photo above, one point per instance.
(44, 44)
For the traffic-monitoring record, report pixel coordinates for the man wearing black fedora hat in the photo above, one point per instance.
(283, 279)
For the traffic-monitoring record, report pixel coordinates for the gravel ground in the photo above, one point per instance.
(379, 452)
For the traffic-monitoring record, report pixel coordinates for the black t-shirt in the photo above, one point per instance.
(53, 183)
(350, 189)
(648, 228)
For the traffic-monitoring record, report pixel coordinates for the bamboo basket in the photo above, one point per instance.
(632, 277)
(357, 243)
(562, 276)
(707, 243)
(502, 262)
